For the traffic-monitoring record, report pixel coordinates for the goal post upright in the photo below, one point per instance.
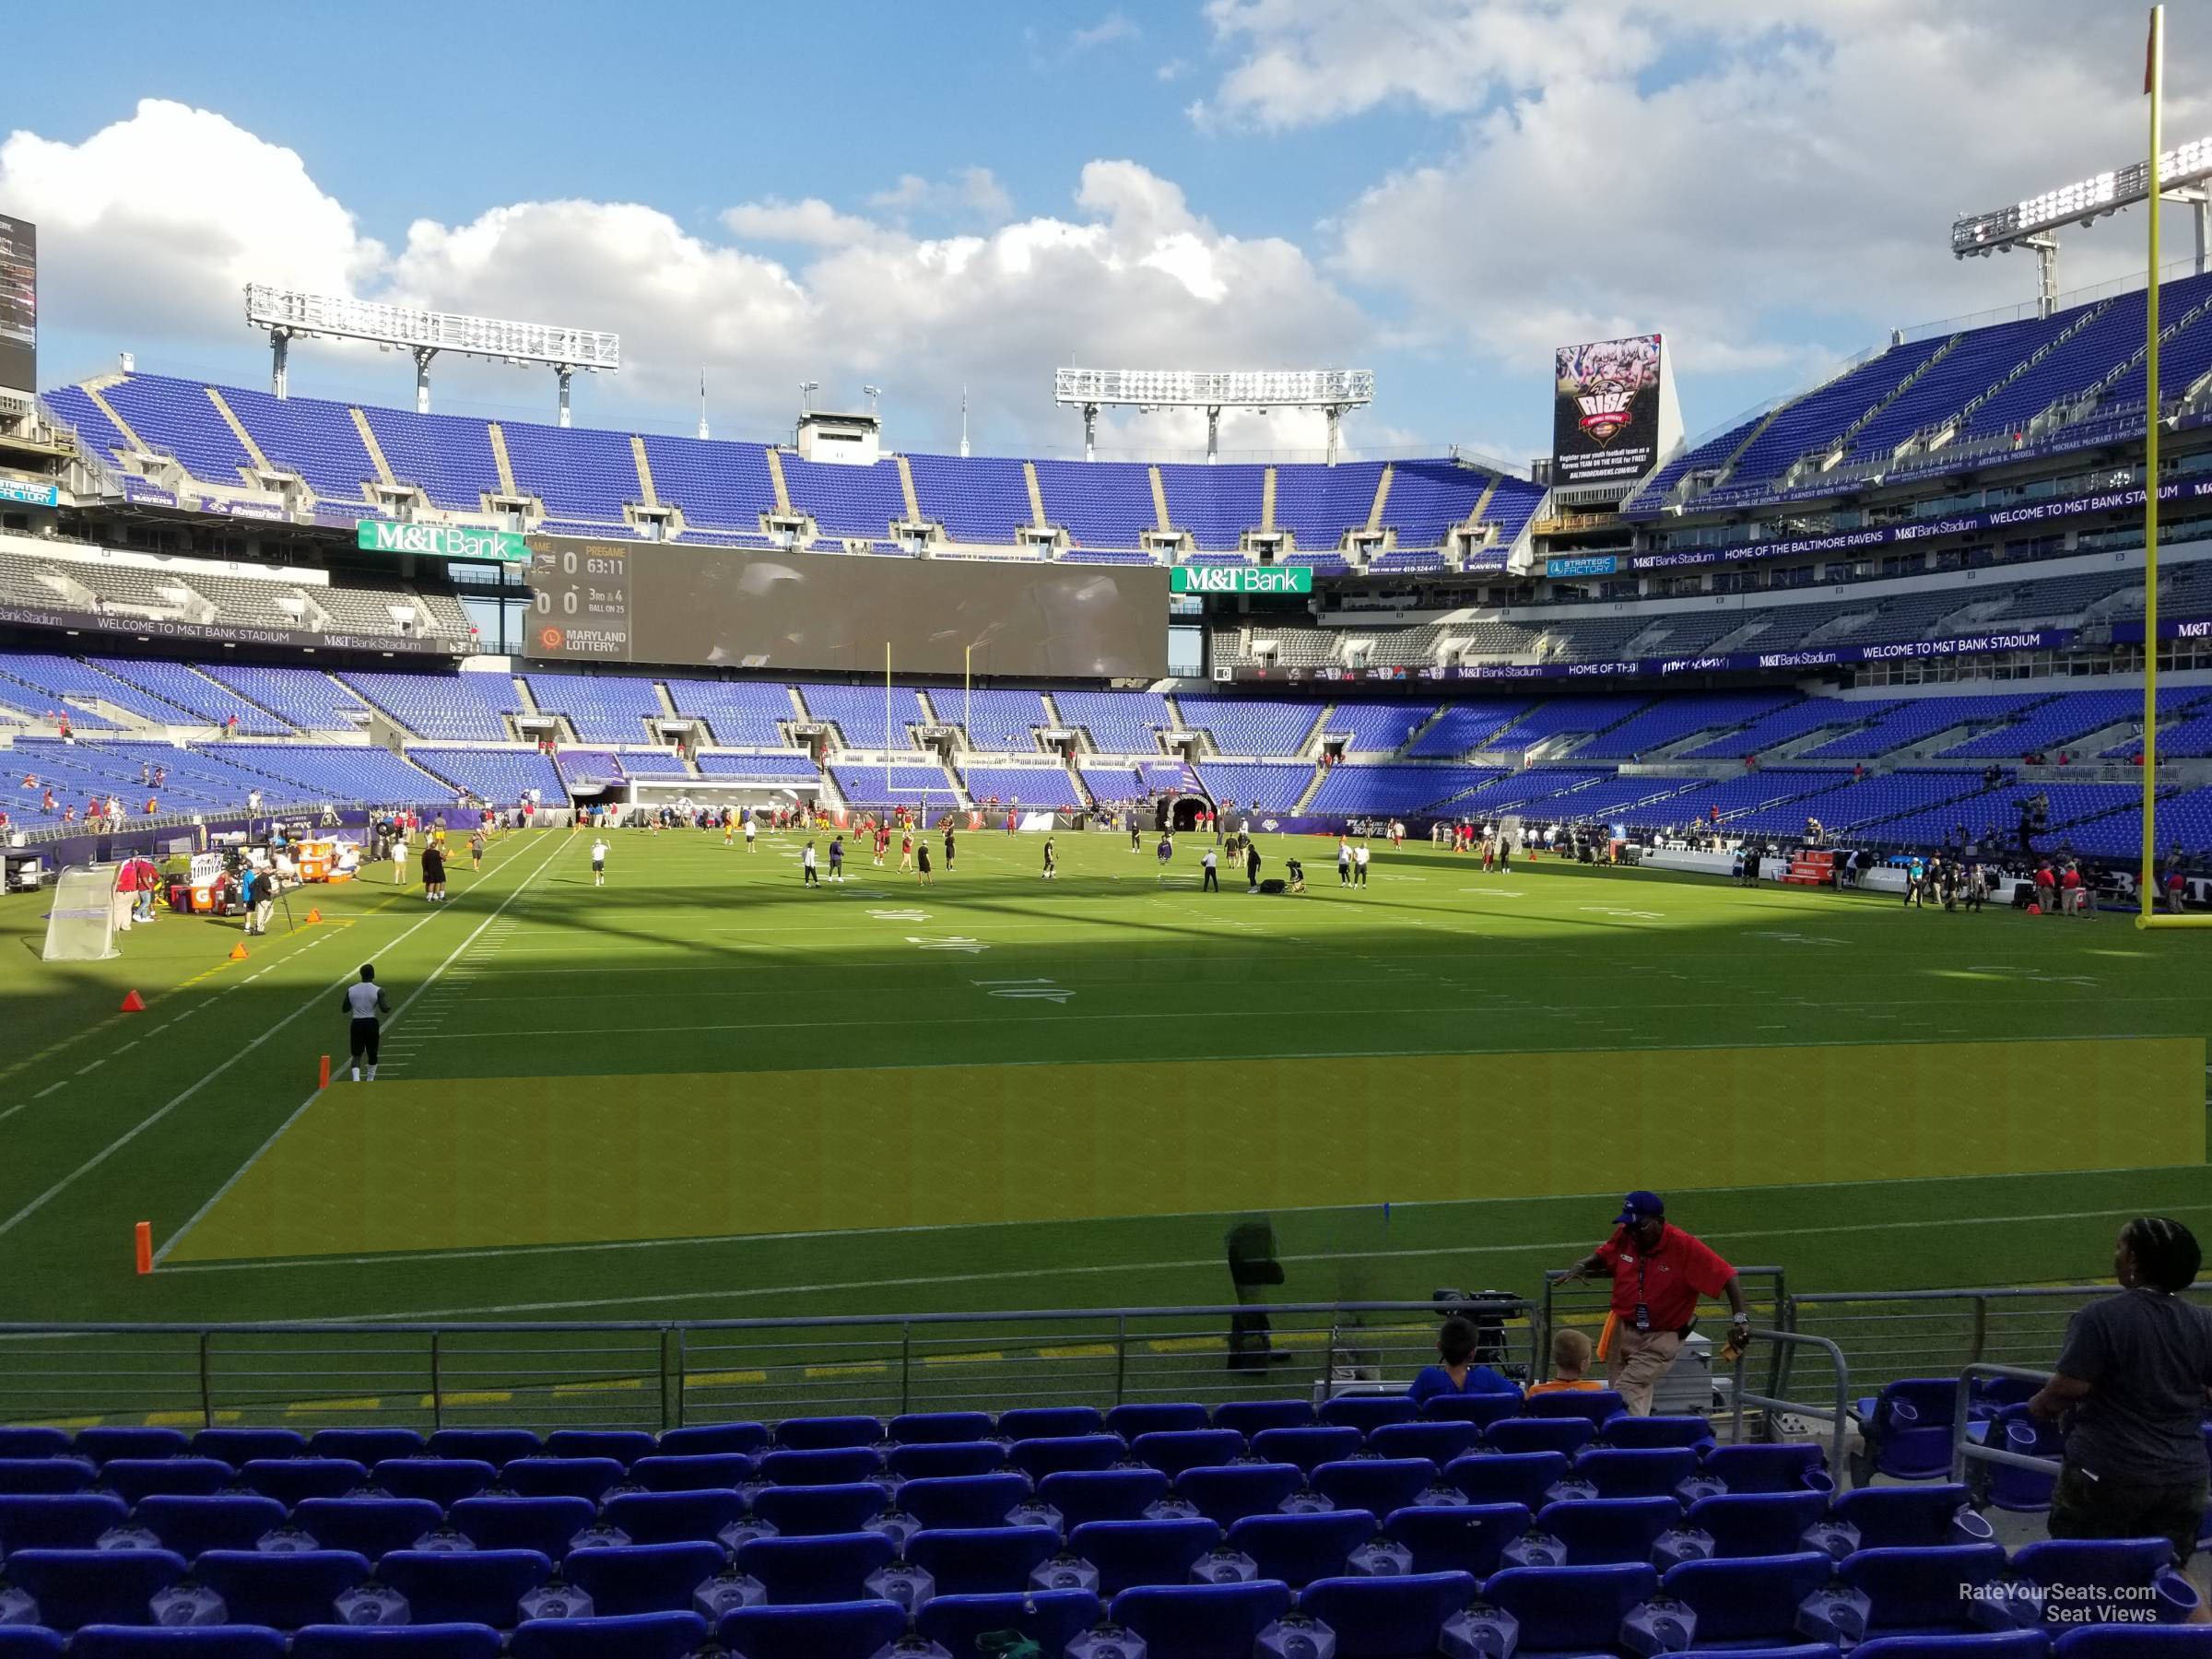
(2148, 896)
(2154, 85)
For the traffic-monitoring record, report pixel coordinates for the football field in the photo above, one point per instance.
(705, 1091)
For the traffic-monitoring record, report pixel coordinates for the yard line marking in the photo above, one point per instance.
(367, 1402)
(238, 1174)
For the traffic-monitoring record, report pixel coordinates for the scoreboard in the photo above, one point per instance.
(580, 600)
(678, 603)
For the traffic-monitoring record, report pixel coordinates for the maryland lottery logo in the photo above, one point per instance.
(550, 638)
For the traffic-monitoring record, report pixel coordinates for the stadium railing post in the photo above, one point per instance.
(437, 1385)
(1837, 1414)
(683, 1371)
(1121, 1354)
(207, 1390)
(1540, 1361)
(661, 1367)
(1964, 1449)
(906, 1367)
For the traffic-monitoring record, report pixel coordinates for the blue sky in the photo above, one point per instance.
(929, 195)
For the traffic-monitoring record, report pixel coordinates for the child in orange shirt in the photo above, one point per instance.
(1570, 1356)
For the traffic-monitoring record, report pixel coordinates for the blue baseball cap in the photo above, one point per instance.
(1640, 1206)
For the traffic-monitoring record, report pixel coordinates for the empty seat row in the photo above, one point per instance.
(1775, 1602)
(500, 1446)
(1573, 1529)
(1328, 1460)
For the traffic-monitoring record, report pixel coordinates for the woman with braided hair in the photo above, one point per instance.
(2130, 1385)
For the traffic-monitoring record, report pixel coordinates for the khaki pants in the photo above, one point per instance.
(1635, 1363)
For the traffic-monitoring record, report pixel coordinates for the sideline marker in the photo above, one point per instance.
(144, 1234)
(133, 1003)
(314, 915)
(323, 1076)
(238, 951)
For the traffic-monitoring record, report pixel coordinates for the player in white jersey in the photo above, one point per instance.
(364, 1005)
(599, 861)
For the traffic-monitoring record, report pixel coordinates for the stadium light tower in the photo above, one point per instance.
(286, 312)
(1333, 391)
(2182, 175)
(871, 394)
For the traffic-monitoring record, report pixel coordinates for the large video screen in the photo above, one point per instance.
(18, 304)
(1605, 412)
(670, 603)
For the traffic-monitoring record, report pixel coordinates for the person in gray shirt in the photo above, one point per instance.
(2131, 1385)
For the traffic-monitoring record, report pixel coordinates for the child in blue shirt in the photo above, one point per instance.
(1458, 1374)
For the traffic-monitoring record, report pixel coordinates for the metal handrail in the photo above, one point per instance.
(1892, 1333)
(1837, 1417)
(1964, 1450)
(644, 1372)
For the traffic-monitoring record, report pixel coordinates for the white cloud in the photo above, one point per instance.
(972, 196)
(1174, 69)
(1727, 171)
(150, 227)
(812, 223)
(1308, 61)
(156, 224)
(1114, 26)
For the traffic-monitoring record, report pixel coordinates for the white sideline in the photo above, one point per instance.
(278, 1133)
(128, 1135)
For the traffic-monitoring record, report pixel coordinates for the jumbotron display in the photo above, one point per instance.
(641, 602)
(1607, 409)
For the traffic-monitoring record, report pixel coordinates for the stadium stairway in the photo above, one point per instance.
(246, 697)
(1412, 738)
(528, 698)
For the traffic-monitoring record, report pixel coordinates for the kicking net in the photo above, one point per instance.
(82, 925)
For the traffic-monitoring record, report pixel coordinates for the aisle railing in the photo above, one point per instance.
(661, 1375)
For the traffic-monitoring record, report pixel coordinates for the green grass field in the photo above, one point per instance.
(705, 1091)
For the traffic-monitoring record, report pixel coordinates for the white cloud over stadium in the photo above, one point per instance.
(1710, 168)
(153, 225)
(1769, 185)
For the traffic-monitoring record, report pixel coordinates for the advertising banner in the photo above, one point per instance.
(1957, 523)
(2131, 633)
(18, 305)
(1605, 420)
(1241, 579)
(169, 627)
(30, 495)
(1595, 564)
(440, 541)
(1735, 661)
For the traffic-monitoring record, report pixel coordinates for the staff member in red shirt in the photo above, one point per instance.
(1659, 1271)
